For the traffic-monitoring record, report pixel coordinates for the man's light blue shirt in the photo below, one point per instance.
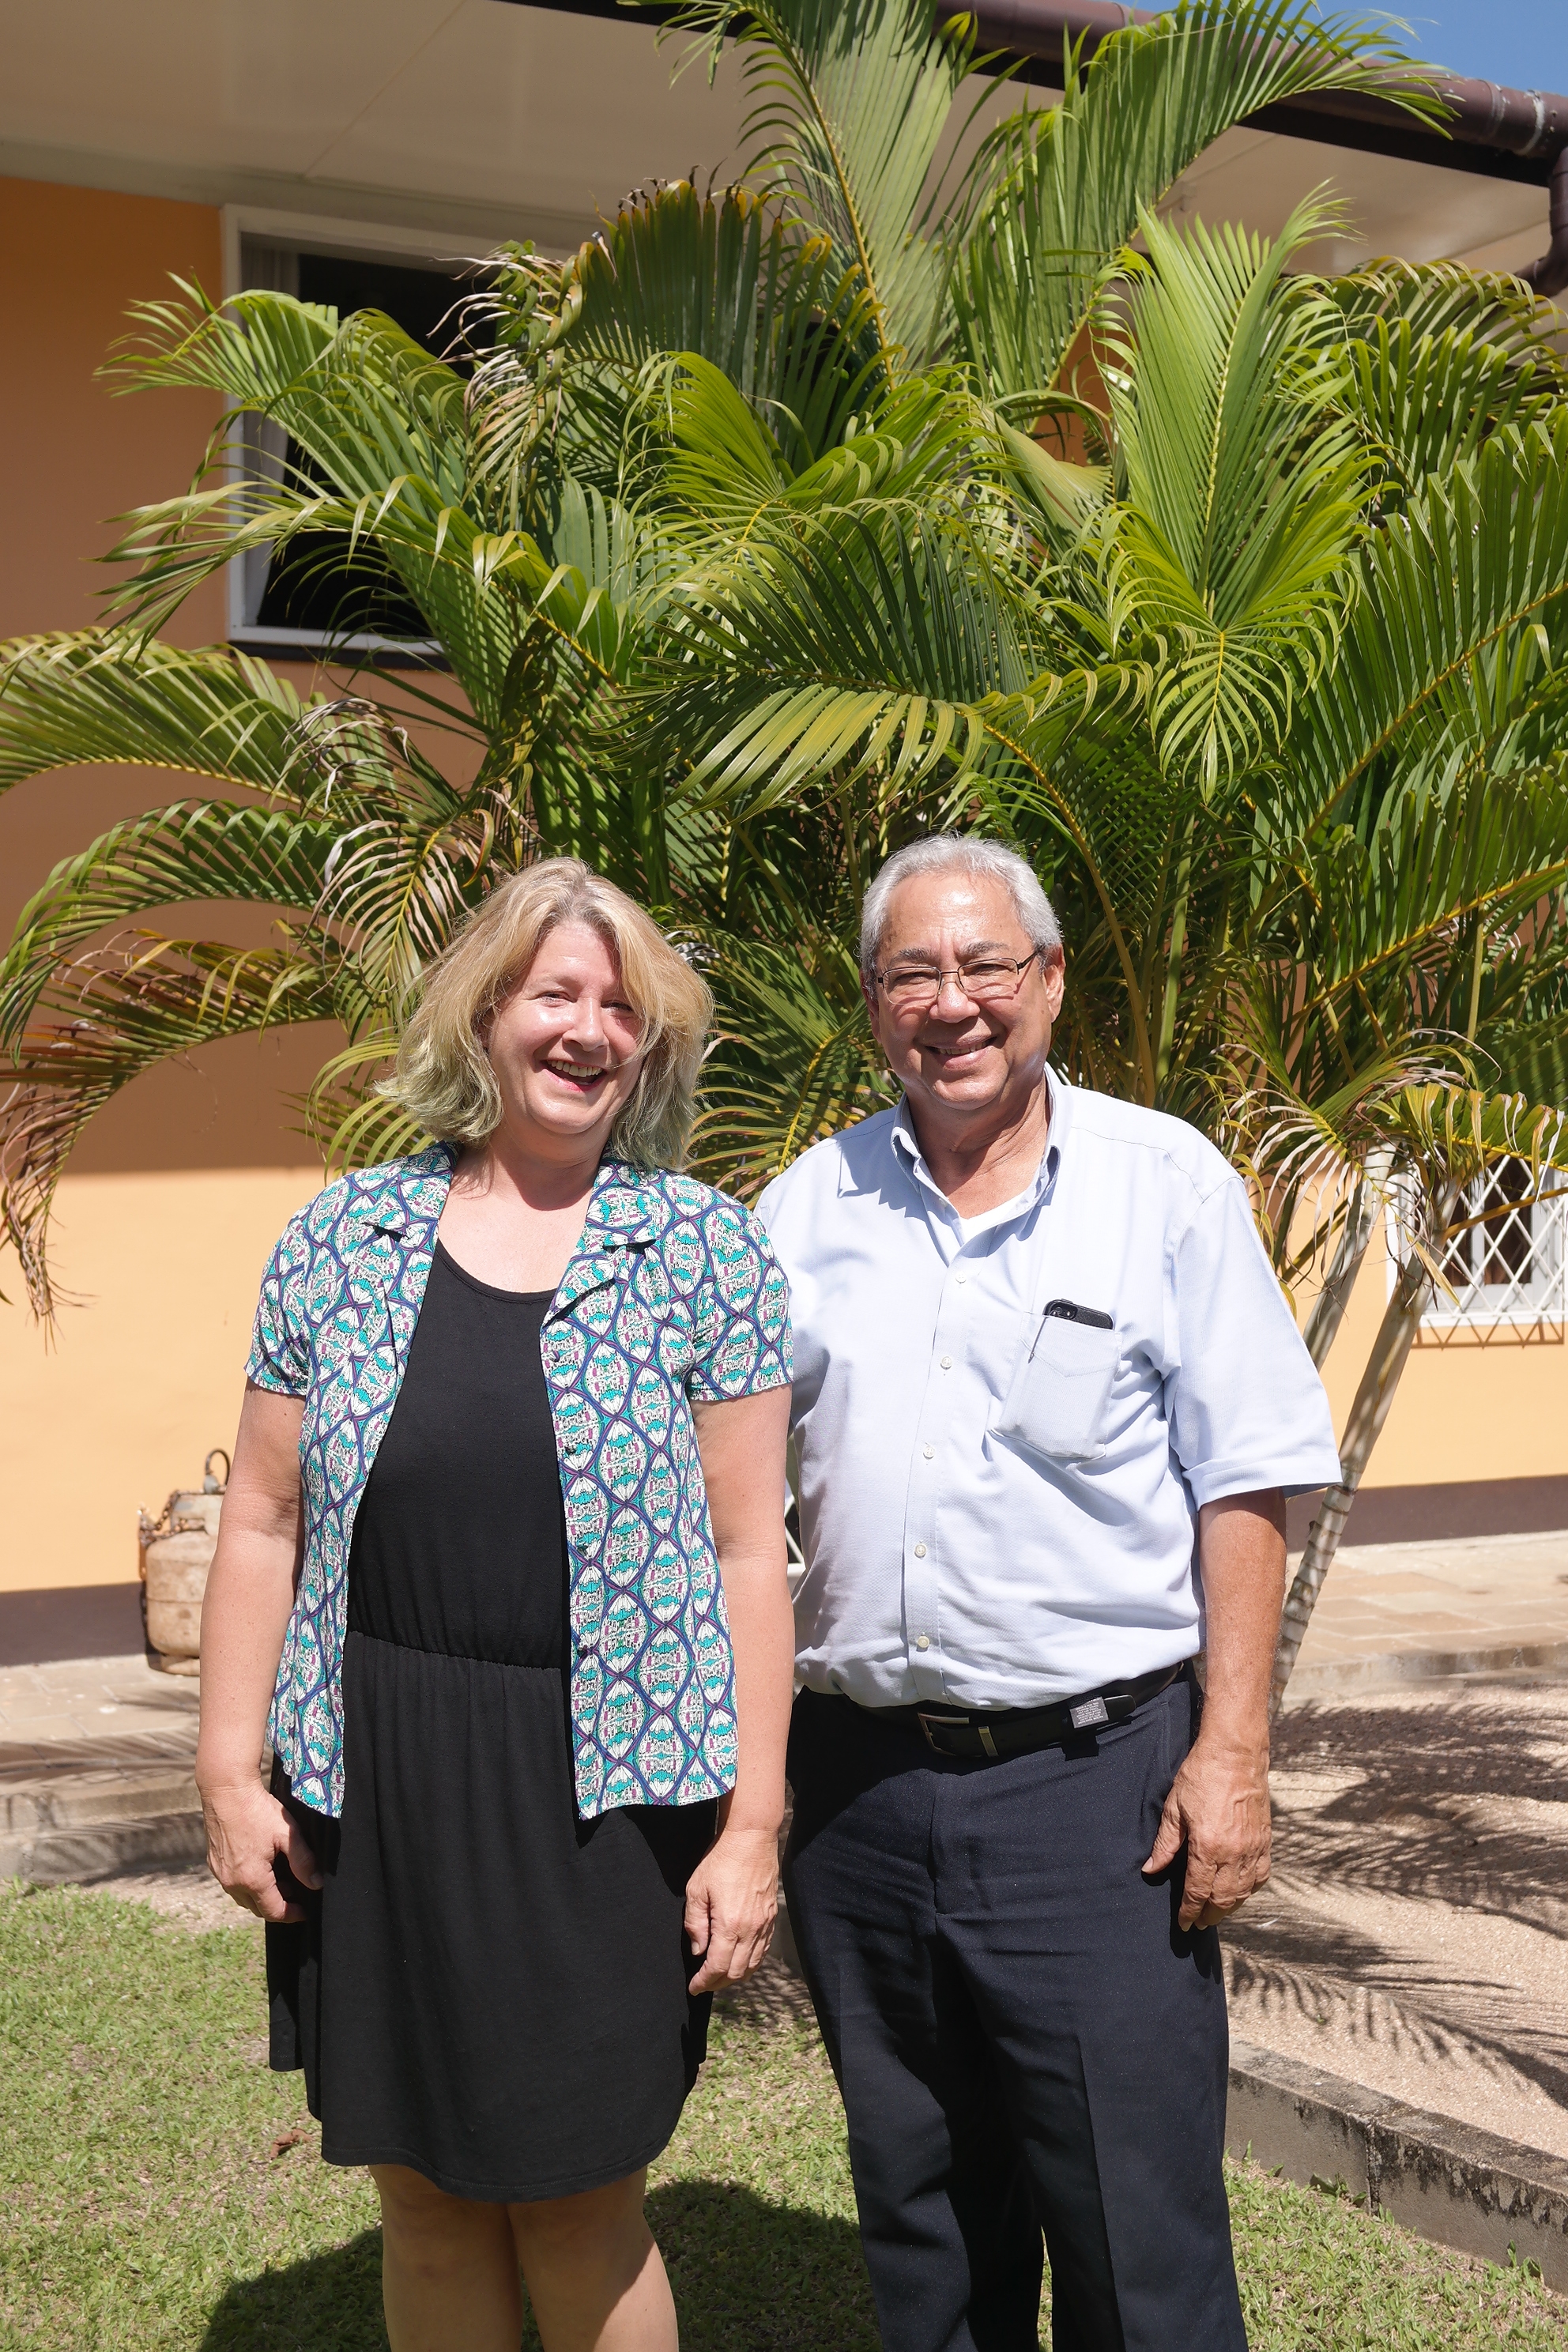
(947, 1561)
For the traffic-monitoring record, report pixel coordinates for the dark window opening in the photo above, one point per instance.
(309, 585)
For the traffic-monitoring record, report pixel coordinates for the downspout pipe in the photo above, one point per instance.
(1513, 135)
(1549, 276)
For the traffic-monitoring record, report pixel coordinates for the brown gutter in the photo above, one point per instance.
(1513, 135)
(1507, 134)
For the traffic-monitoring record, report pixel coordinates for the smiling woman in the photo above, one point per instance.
(518, 1406)
(610, 983)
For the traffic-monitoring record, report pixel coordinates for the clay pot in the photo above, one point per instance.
(176, 1552)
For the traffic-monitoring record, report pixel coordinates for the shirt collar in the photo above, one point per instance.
(412, 1192)
(907, 1148)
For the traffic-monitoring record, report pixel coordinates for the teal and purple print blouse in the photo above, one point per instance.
(672, 1296)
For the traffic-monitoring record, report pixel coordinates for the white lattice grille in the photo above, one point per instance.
(1509, 1265)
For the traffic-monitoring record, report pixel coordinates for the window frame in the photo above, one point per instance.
(345, 240)
(1479, 1308)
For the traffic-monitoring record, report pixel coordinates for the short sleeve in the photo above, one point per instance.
(279, 1342)
(742, 1335)
(1245, 1406)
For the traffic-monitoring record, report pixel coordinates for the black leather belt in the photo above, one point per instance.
(991, 1733)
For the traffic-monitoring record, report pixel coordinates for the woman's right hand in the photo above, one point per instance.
(247, 1831)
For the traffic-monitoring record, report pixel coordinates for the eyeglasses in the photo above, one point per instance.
(984, 980)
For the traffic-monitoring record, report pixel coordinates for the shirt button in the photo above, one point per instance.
(947, 1363)
(928, 1451)
(922, 1641)
(961, 1276)
(919, 1551)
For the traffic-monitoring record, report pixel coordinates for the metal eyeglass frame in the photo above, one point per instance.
(956, 971)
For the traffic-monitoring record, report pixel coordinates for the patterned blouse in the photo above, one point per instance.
(673, 1294)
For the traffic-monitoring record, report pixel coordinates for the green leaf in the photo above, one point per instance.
(100, 694)
(1472, 563)
(171, 856)
(1065, 186)
(116, 1014)
(852, 106)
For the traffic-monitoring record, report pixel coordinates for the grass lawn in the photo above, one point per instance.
(160, 2191)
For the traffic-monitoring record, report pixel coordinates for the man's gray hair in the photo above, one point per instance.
(962, 853)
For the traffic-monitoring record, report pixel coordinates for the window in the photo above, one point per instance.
(1507, 1265)
(298, 601)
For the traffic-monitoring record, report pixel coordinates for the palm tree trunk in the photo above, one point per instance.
(1328, 1310)
(1379, 1383)
(1175, 952)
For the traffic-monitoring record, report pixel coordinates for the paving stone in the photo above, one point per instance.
(1396, 1611)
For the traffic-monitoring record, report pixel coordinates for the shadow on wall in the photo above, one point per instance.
(745, 2274)
(229, 1107)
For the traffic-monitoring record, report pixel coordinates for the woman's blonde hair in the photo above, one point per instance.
(442, 1077)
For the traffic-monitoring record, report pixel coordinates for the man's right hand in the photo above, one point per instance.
(248, 1831)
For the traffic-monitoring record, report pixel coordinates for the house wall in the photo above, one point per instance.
(1466, 1408)
(180, 1186)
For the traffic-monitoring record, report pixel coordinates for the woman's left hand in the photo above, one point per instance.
(732, 1901)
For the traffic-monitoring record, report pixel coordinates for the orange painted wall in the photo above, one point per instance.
(1463, 1411)
(180, 1187)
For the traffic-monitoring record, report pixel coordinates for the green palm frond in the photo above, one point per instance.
(100, 694)
(1437, 299)
(1242, 495)
(864, 637)
(1068, 184)
(793, 1060)
(171, 856)
(851, 111)
(1473, 563)
(360, 396)
(107, 1017)
(723, 275)
(352, 1125)
(1426, 402)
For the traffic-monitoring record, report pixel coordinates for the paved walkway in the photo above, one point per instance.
(96, 1700)
(1391, 1612)
(1414, 1937)
(1440, 1608)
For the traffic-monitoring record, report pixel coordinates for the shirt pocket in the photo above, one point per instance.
(1056, 1399)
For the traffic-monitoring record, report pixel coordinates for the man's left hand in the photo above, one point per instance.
(1218, 1809)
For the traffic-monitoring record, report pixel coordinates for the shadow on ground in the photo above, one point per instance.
(330, 2303)
(748, 2276)
(1455, 1801)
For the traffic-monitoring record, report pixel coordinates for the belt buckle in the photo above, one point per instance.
(931, 1724)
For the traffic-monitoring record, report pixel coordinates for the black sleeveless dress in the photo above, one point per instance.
(486, 1989)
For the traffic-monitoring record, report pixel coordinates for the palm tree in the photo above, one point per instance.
(552, 544)
(775, 528)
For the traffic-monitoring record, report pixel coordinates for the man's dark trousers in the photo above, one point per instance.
(1023, 2038)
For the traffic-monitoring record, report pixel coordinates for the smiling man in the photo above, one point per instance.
(1048, 1401)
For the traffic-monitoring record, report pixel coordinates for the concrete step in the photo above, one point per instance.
(1389, 1669)
(85, 1808)
(62, 1857)
(81, 1796)
(1446, 2181)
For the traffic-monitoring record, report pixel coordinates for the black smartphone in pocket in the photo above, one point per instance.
(1069, 1311)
